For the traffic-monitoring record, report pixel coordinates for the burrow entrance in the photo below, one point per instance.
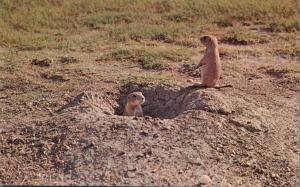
(167, 102)
(162, 101)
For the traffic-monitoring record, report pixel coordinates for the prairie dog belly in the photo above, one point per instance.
(209, 74)
(138, 111)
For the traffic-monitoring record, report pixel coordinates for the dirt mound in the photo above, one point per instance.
(169, 102)
(101, 103)
(164, 102)
(186, 135)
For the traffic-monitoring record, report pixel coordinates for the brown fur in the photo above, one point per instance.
(133, 105)
(210, 63)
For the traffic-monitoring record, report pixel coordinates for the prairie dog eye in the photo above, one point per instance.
(134, 96)
(206, 38)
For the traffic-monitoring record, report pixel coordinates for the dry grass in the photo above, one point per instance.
(282, 70)
(241, 36)
(110, 35)
(284, 25)
(51, 24)
(150, 78)
(148, 57)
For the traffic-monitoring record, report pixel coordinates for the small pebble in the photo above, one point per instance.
(131, 167)
(204, 179)
(193, 129)
(274, 176)
(130, 174)
(167, 127)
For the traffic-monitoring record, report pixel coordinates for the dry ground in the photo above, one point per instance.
(59, 105)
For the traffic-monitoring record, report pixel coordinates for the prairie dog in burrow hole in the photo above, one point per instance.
(210, 64)
(133, 104)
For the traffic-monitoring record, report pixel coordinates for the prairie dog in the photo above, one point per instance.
(133, 105)
(211, 64)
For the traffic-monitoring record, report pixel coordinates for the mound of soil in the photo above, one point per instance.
(186, 136)
(169, 102)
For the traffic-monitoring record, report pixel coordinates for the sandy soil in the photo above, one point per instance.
(68, 130)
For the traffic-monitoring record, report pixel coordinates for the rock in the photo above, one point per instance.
(167, 127)
(196, 161)
(130, 174)
(131, 167)
(274, 176)
(204, 179)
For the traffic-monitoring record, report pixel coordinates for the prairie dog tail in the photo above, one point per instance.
(202, 86)
(225, 86)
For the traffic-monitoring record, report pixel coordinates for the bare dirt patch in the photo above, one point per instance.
(185, 136)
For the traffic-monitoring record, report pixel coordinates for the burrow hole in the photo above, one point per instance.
(168, 102)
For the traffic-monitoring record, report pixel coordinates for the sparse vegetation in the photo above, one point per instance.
(280, 71)
(237, 51)
(149, 79)
(147, 58)
(284, 25)
(118, 54)
(224, 22)
(52, 24)
(287, 50)
(240, 36)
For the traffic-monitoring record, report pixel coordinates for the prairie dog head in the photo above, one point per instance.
(209, 41)
(135, 98)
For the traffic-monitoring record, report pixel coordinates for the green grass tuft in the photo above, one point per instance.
(284, 25)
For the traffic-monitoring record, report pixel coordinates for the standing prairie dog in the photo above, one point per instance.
(133, 105)
(211, 64)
